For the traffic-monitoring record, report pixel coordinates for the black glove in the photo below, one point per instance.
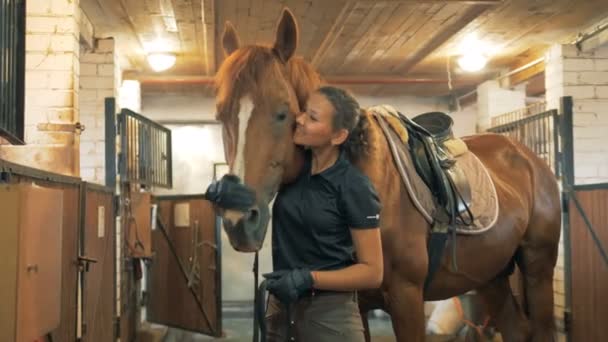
(288, 285)
(229, 193)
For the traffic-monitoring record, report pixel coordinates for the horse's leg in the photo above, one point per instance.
(536, 259)
(504, 310)
(406, 307)
(537, 265)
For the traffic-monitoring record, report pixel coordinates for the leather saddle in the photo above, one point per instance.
(436, 166)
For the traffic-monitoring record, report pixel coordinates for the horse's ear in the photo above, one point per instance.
(230, 39)
(287, 36)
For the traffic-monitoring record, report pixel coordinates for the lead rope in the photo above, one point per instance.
(256, 300)
(259, 304)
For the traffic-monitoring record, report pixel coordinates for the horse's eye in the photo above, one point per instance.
(281, 116)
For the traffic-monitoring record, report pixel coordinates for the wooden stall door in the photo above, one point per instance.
(589, 272)
(188, 299)
(98, 244)
(69, 271)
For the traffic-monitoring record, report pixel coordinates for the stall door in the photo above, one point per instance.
(97, 251)
(184, 278)
(589, 271)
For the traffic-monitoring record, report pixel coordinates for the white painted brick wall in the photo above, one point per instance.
(105, 70)
(105, 45)
(49, 61)
(97, 58)
(35, 7)
(492, 100)
(46, 24)
(97, 81)
(88, 69)
(64, 7)
(62, 80)
(51, 87)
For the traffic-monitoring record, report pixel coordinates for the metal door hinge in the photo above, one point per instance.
(565, 202)
(117, 328)
(567, 321)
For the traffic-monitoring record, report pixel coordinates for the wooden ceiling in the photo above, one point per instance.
(377, 47)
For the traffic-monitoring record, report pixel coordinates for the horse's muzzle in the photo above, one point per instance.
(247, 232)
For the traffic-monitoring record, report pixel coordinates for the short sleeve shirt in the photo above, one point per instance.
(312, 217)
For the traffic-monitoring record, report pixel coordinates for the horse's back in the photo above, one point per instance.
(524, 181)
(507, 159)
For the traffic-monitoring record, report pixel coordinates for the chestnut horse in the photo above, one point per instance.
(260, 92)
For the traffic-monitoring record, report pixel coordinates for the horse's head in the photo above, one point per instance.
(260, 90)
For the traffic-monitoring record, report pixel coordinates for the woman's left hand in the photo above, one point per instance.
(287, 285)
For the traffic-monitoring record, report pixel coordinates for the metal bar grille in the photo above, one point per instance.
(145, 156)
(539, 132)
(12, 69)
(530, 110)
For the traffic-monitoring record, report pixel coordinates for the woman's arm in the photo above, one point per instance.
(367, 273)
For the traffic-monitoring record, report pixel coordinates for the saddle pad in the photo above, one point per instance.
(484, 201)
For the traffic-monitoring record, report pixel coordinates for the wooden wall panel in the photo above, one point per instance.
(589, 274)
(69, 258)
(31, 261)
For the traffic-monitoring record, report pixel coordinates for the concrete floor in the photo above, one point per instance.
(240, 330)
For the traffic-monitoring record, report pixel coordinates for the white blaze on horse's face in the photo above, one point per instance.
(246, 107)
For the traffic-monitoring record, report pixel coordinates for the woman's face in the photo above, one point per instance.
(314, 127)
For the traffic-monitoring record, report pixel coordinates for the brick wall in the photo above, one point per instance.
(51, 88)
(584, 76)
(492, 100)
(98, 69)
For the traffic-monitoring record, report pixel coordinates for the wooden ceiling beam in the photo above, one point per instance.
(208, 35)
(525, 69)
(439, 39)
(591, 41)
(110, 19)
(332, 35)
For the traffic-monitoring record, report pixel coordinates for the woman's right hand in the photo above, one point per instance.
(230, 193)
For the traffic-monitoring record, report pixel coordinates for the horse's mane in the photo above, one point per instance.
(303, 78)
(243, 70)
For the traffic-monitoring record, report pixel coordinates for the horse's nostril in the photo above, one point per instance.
(253, 215)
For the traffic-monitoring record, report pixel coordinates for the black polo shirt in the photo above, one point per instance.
(312, 217)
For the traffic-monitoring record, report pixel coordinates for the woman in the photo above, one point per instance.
(320, 221)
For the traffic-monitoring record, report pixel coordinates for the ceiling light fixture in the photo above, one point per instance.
(161, 61)
(472, 62)
(474, 53)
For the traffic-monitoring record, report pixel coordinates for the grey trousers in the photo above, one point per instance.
(320, 318)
